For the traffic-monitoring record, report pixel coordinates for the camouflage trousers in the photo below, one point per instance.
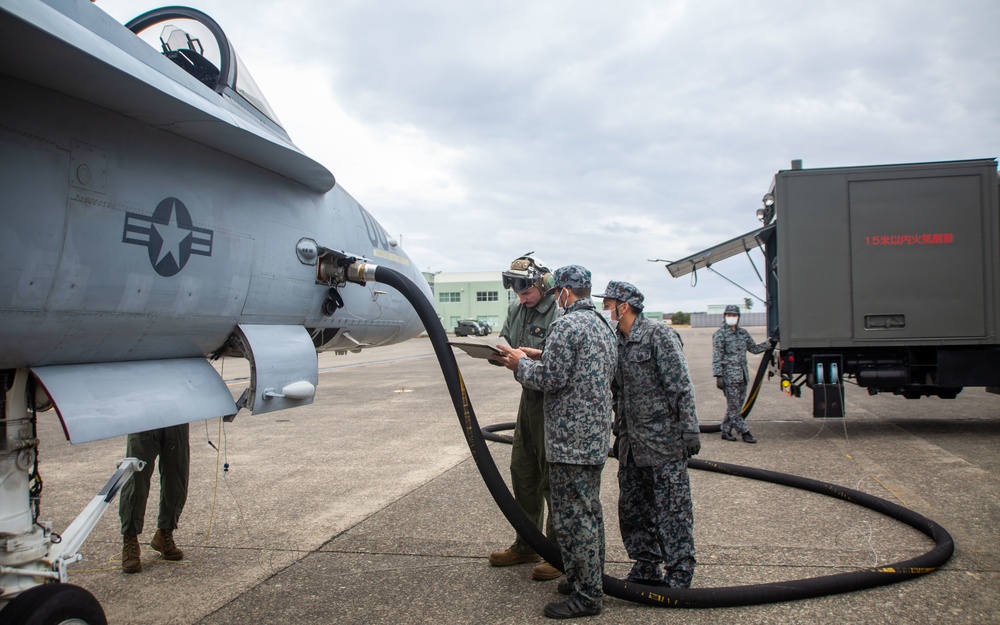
(656, 517)
(579, 524)
(736, 394)
(172, 446)
(529, 472)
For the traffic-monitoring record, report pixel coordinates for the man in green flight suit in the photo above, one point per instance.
(171, 444)
(527, 325)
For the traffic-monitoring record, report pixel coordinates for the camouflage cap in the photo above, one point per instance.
(572, 277)
(624, 292)
(732, 309)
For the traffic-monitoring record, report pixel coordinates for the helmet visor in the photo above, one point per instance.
(517, 283)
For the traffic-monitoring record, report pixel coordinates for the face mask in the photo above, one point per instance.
(607, 317)
(731, 321)
(559, 303)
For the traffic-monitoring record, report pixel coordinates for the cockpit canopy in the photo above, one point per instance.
(217, 67)
(188, 54)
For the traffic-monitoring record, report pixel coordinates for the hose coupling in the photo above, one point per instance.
(361, 272)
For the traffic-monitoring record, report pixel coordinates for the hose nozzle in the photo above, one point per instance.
(361, 272)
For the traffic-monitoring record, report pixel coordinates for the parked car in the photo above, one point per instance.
(468, 327)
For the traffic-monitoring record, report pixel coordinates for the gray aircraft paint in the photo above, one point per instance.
(150, 220)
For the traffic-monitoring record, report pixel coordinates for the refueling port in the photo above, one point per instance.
(336, 269)
(332, 267)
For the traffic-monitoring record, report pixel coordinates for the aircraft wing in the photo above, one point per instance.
(722, 251)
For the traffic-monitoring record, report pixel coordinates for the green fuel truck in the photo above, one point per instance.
(887, 274)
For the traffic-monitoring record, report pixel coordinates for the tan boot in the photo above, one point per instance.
(163, 541)
(545, 571)
(131, 554)
(509, 557)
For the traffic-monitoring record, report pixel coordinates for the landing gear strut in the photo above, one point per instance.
(33, 558)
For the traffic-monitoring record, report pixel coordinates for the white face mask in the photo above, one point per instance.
(607, 317)
(731, 321)
(559, 302)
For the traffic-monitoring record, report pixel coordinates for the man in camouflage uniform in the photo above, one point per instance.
(526, 325)
(657, 431)
(575, 373)
(730, 345)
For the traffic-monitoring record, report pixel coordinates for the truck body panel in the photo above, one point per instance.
(900, 255)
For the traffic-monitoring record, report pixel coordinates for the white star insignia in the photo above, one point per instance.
(172, 236)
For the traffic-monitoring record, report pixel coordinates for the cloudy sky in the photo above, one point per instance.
(606, 134)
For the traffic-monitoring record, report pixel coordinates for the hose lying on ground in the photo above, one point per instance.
(677, 597)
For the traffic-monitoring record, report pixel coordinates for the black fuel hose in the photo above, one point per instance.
(677, 597)
(467, 417)
(490, 432)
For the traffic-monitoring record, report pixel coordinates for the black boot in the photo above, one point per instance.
(728, 436)
(748, 438)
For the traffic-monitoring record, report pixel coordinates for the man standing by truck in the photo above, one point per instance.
(730, 345)
(527, 325)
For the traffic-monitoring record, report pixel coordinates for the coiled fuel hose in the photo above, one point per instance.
(675, 597)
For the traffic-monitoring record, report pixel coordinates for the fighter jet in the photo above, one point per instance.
(155, 213)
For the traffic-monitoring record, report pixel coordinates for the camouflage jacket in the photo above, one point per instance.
(729, 354)
(655, 397)
(575, 374)
(527, 327)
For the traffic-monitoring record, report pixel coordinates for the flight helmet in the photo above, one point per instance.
(526, 272)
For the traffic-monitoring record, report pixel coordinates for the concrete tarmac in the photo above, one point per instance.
(366, 507)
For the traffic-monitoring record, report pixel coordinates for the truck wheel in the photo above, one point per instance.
(54, 604)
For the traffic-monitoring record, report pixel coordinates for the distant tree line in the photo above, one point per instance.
(680, 318)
